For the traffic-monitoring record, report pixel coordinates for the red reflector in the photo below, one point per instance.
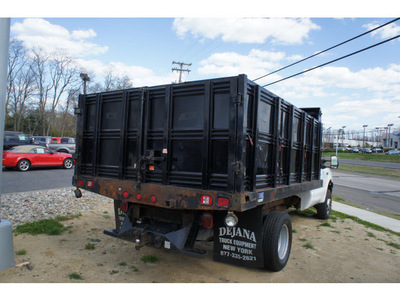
(207, 220)
(81, 182)
(124, 206)
(206, 200)
(153, 198)
(224, 202)
(138, 196)
(126, 195)
(89, 183)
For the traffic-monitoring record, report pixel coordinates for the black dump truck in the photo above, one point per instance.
(219, 158)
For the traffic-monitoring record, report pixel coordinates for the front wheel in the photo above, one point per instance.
(23, 165)
(277, 240)
(68, 163)
(324, 209)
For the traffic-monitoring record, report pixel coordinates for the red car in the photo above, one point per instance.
(25, 157)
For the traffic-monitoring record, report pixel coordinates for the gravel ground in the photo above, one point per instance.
(21, 208)
(344, 251)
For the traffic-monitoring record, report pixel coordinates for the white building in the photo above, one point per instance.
(394, 141)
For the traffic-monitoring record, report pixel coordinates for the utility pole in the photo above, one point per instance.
(364, 136)
(85, 79)
(180, 70)
(6, 236)
(389, 138)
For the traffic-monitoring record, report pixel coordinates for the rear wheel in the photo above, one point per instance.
(23, 165)
(68, 163)
(277, 240)
(324, 209)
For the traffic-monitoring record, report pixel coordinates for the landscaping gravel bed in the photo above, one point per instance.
(21, 208)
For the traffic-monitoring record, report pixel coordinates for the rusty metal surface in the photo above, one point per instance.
(174, 197)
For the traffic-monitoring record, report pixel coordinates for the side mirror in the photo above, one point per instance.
(334, 162)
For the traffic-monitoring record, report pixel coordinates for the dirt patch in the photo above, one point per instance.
(344, 251)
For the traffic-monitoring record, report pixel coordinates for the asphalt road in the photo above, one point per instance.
(371, 192)
(35, 179)
(368, 191)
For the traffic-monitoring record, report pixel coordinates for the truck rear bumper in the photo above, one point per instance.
(174, 197)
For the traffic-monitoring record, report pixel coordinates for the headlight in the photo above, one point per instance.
(231, 220)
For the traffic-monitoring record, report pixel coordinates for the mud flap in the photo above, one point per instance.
(240, 245)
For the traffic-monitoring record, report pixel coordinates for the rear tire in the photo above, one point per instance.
(23, 165)
(277, 240)
(68, 163)
(324, 209)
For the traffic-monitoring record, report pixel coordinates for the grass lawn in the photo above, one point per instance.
(367, 157)
(395, 173)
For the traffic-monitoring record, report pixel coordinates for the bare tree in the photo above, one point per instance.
(22, 91)
(63, 74)
(109, 80)
(123, 83)
(40, 59)
(55, 73)
(20, 86)
(66, 111)
(113, 82)
(15, 62)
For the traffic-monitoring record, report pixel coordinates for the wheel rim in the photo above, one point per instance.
(283, 241)
(24, 165)
(68, 164)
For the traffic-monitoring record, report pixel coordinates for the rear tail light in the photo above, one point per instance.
(153, 198)
(206, 200)
(126, 194)
(89, 183)
(139, 197)
(223, 202)
(81, 182)
(207, 221)
(124, 206)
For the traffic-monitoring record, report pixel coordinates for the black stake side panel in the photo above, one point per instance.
(225, 134)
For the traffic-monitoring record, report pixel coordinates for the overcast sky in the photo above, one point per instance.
(362, 89)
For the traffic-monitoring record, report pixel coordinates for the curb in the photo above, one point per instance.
(383, 221)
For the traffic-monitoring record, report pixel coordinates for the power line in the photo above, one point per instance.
(330, 48)
(180, 70)
(332, 61)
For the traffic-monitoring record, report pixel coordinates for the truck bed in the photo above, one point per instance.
(225, 138)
